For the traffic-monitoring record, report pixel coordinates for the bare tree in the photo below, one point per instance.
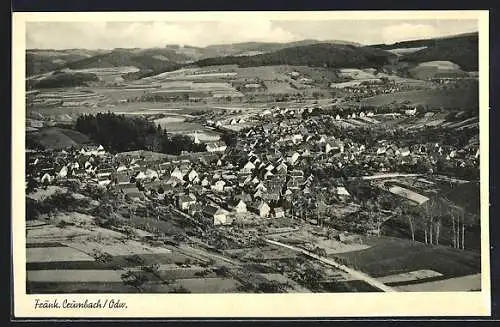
(453, 236)
(437, 230)
(404, 210)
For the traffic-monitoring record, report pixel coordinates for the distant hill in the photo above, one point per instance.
(244, 48)
(236, 49)
(39, 61)
(460, 49)
(157, 60)
(62, 79)
(151, 60)
(316, 55)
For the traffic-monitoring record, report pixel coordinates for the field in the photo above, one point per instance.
(55, 138)
(391, 256)
(63, 259)
(458, 98)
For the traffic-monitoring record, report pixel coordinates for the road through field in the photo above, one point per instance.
(354, 273)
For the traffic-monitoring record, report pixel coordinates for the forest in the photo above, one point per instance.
(315, 55)
(119, 133)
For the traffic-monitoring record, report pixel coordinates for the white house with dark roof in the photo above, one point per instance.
(249, 166)
(176, 173)
(217, 215)
(238, 205)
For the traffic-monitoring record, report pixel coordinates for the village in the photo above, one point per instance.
(304, 177)
(271, 162)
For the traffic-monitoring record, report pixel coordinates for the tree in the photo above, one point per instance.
(372, 210)
(406, 212)
(321, 208)
(311, 278)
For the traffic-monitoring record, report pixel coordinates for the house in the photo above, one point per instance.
(245, 181)
(238, 206)
(261, 187)
(272, 195)
(46, 178)
(294, 184)
(151, 174)
(185, 201)
(217, 216)
(205, 182)
(258, 194)
(282, 168)
(293, 159)
(121, 168)
(262, 209)
(297, 138)
(140, 175)
(411, 112)
(219, 186)
(193, 175)
(279, 212)
(342, 192)
(249, 166)
(404, 152)
(216, 146)
(268, 174)
(328, 148)
(103, 180)
(164, 167)
(177, 173)
(63, 172)
(269, 167)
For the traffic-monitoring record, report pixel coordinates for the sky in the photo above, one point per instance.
(109, 35)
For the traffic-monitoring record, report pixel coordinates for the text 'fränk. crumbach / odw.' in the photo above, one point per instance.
(72, 304)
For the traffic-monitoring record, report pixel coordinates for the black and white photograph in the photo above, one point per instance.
(253, 155)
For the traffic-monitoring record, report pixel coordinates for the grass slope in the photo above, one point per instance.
(56, 138)
(463, 98)
(460, 49)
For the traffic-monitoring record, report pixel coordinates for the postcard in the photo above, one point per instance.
(250, 164)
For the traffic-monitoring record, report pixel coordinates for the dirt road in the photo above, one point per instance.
(354, 273)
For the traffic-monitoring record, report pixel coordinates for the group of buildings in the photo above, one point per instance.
(274, 166)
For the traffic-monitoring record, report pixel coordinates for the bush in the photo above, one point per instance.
(222, 271)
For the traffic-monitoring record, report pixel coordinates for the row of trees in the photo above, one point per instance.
(436, 222)
(119, 133)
